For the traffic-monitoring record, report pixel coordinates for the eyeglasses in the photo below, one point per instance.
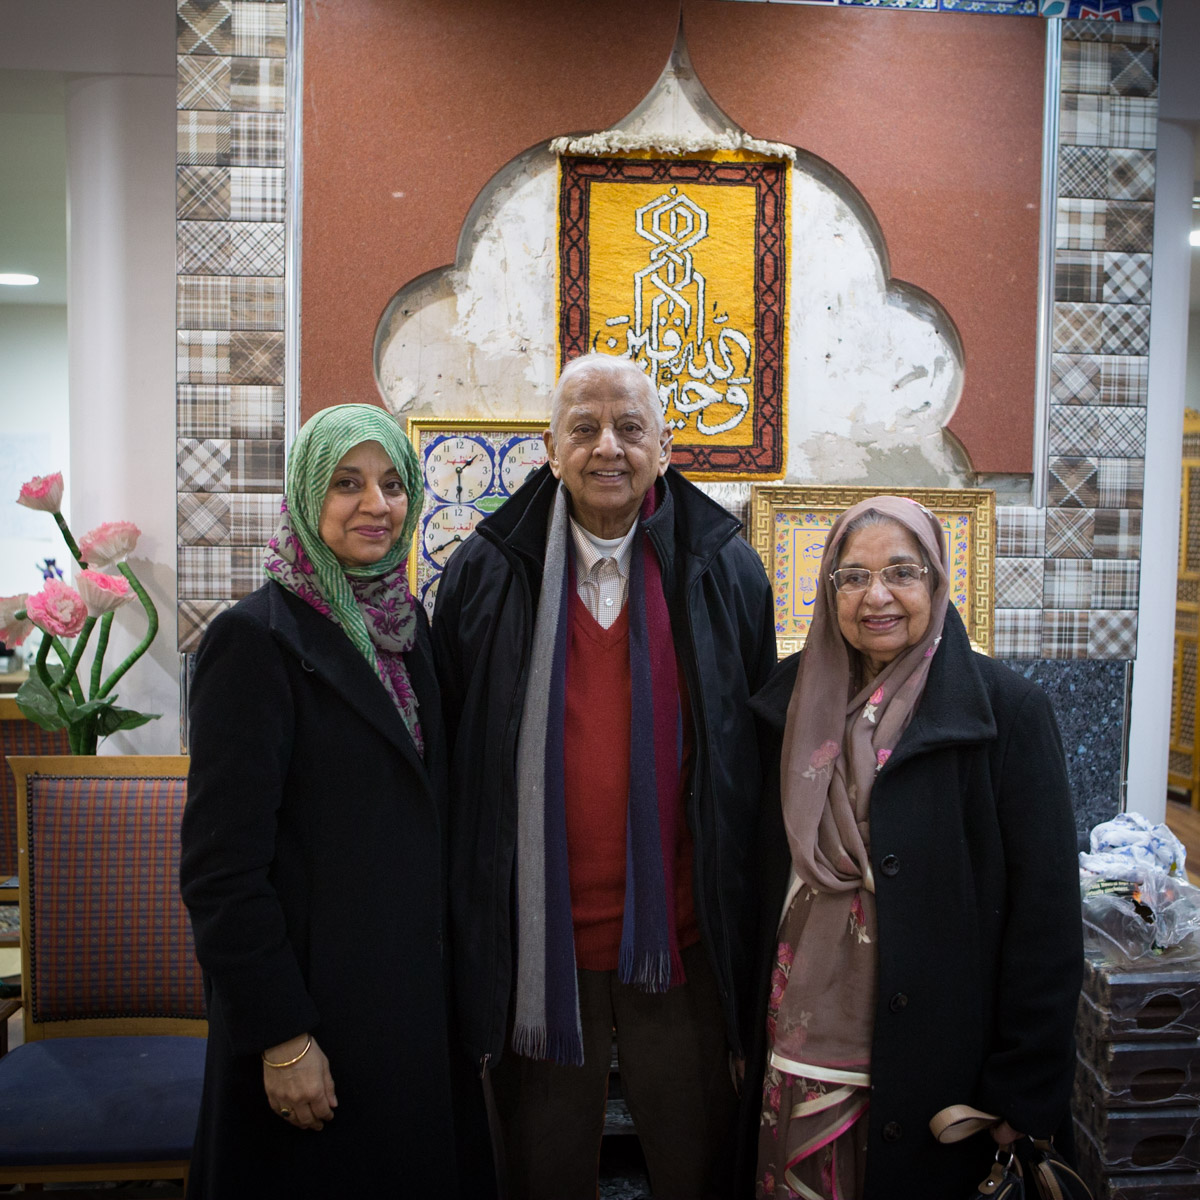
(895, 578)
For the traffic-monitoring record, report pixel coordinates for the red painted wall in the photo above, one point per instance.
(410, 107)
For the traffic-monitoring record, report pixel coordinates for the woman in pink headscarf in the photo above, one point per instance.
(921, 886)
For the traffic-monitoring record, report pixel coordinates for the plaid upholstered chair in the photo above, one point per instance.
(107, 1084)
(17, 736)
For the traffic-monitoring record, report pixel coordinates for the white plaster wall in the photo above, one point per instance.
(34, 439)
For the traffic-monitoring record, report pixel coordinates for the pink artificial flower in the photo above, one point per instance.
(58, 609)
(881, 756)
(12, 631)
(877, 695)
(43, 492)
(103, 593)
(823, 755)
(109, 543)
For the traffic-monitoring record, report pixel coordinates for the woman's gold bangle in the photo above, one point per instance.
(291, 1062)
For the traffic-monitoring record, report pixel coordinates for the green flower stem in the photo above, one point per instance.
(39, 665)
(71, 667)
(74, 549)
(144, 644)
(98, 660)
(65, 658)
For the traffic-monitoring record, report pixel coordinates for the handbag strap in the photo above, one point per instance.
(959, 1121)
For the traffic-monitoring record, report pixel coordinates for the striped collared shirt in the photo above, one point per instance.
(602, 572)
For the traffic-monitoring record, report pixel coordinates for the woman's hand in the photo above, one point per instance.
(301, 1094)
(1005, 1134)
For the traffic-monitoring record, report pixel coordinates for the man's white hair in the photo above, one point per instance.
(623, 374)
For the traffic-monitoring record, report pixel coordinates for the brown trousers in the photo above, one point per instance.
(674, 1063)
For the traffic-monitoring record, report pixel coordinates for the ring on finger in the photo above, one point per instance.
(285, 1113)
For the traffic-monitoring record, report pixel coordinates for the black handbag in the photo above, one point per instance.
(1004, 1181)
(1051, 1175)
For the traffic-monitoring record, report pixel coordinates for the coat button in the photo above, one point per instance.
(898, 1002)
(892, 1132)
(890, 864)
(306, 665)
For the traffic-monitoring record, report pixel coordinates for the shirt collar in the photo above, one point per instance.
(589, 549)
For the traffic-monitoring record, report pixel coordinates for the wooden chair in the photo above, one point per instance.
(107, 1084)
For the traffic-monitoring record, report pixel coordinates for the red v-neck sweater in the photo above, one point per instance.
(596, 767)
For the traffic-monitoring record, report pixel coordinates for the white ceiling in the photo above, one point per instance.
(33, 184)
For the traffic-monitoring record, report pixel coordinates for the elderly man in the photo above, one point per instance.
(596, 643)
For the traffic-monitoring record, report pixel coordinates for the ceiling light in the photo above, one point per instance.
(19, 280)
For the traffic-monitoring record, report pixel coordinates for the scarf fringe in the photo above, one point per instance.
(533, 1041)
(653, 972)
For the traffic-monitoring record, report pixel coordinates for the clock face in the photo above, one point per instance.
(518, 460)
(446, 529)
(429, 595)
(459, 469)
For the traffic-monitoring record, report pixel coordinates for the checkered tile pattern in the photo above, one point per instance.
(202, 465)
(257, 84)
(1069, 532)
(256, 194)
(253, 517)
(259, 29)
(1020, 532)
(256, 412)
(204, 571)
(256, 303)
(257, 248)
(1118, 533)
(1073, 483)
(1064, 633)
(257, 139)
(255, 357)
(204, 519)
(1133, 70)
(1114, 583)
(1073, 429)
(1079, 275)
(1078, 328)
(1127, 278)
(202, 356)
(204, 27)
(1085, 67)
(1085, 120)
(1130, 174)
(1133, 122)
(1124, 380)
(203, 82)
(1017, 633)
(1082, 171)
(1019, 582)
(246, 571)
(203, 138)
(202, 410)
(1080, 224)
(20, 737)
(203, 247)
(1129, 226)
(1122, 432)
(108, 933)
(1067, 583)
(1074, 378)
(202, 302)
(256, 466)
(192, 619)
(202, 193)
(1119, 482)
(1112, 634)
(1126, 329)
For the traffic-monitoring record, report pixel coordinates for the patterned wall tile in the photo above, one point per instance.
(1129, 226)
(257, 139)
(1112, 635)
(246, 573)
(202, 302)
(1080, 224)
(1122, 432)
(256, 466)
(1083, 171)
(1130, 175)
(202, 193)
(257, 249)
(256, 412)
(202, 410)
(203, 464)
(1124, 380)
(256, 303)
(1067, 583)
(1069, 532)
(1086, 120)
(203, 247)
(1065, 633)
(253, 517)
(255, 357)
(1133, 122)
(1115, 583)
(193, 617)
(204, 519)
(203, 138)
(1079, 275)
(1127, 278)
(1120, 482)
(259, 84)
(1078, 328)
(1019, 582)
(1085, 67)
(202, 356)
(257, 194)
(1133, 70)
(1126, 329)
(204, 27)
(1017, 633)
(1118, 533)
(1020, 532)
(259, 29)
(1073, 429)
(1074, 378)
(204, 571)
(202, 82)
(1073, 483)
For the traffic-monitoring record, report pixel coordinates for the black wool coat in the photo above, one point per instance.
(973, 846)
(313, 867)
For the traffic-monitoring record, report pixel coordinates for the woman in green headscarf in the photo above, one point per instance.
(313, 861)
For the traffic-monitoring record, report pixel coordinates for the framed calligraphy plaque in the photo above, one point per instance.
(681, 265)
(470, 468)
(789, 525)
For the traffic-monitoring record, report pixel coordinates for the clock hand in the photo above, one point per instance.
(438, 549)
